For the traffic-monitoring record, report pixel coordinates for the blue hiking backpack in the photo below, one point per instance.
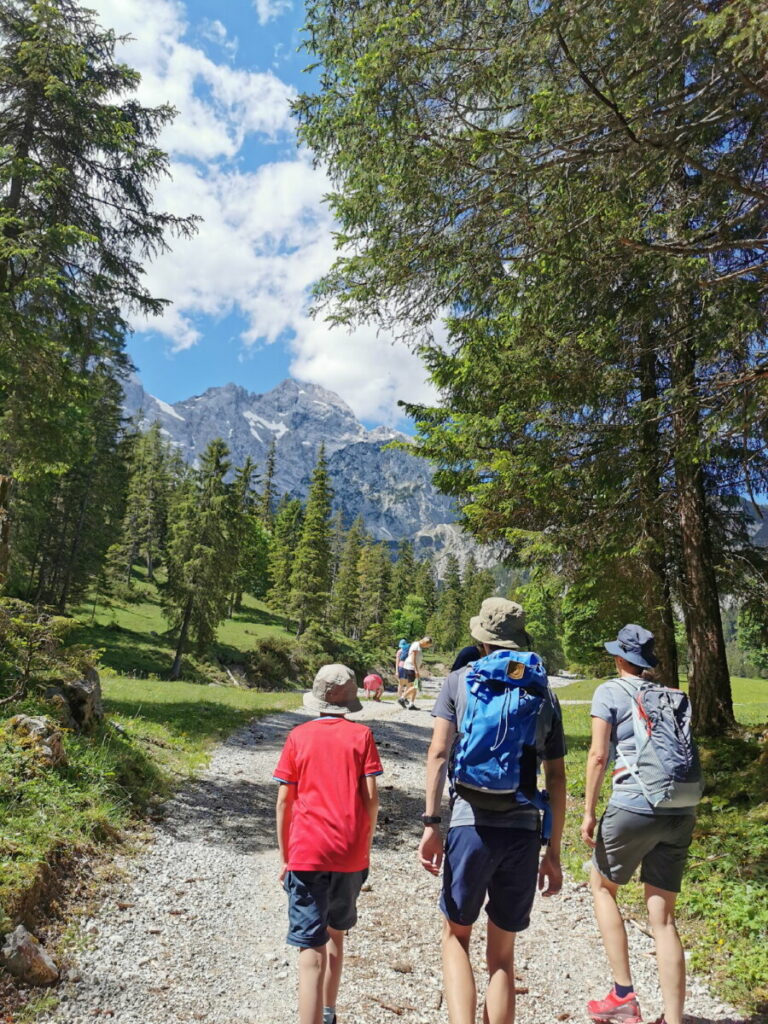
(494, 762)
(666, 765)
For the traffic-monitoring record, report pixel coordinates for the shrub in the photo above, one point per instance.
(274, 663)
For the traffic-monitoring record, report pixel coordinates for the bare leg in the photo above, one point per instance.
(500, 996)
(333, 967)
(410, 694)
(611, 925)
(669, 951)
(458, 979)
(312, 963)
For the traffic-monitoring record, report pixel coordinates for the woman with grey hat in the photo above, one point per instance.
(632, 833)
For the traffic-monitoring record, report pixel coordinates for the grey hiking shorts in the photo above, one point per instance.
(658, 842)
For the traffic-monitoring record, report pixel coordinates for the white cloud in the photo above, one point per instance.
(266, 235)
(269, 9)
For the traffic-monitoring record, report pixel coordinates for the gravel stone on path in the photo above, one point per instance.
(195, 931)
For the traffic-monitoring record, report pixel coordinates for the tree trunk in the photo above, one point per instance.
(73, 553)
(709, 680)
(176, 667)
(6, 488)
(656, 588)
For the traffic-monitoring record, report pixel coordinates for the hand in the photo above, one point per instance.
(431, 849)
(588, 825)
(550, 870)
(283, 873)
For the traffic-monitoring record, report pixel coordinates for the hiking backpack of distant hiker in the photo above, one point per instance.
(666, 763)
(494, 761)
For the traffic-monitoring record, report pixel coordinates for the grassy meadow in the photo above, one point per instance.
(158, 734)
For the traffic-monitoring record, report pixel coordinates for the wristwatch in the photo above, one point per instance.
(430, 819)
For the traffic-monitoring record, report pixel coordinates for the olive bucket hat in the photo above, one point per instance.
(334, 692)
(500, 623)
(635, 645)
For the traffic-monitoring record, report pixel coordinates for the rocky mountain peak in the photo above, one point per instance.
(390, 489)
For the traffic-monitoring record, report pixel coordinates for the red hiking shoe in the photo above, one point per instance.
(615, 1010)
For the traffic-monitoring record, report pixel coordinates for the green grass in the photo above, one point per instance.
(723, 909)
(48, 814)
(135, 640)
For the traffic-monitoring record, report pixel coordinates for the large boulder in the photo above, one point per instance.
(24, 958)
(41, 735)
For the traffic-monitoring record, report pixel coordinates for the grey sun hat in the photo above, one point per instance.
(635, 645)
(501, 623)
(334, 691)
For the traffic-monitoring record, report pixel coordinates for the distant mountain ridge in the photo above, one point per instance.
(390, 489)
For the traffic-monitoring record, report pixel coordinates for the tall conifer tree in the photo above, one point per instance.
(201, 560)
(286, 534)
(311, 573)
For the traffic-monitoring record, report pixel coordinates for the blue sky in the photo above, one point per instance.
(239, 290)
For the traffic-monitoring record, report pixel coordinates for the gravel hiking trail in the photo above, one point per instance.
(194, 927)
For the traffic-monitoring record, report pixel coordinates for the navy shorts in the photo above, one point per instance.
(319, 899)
(502, 862)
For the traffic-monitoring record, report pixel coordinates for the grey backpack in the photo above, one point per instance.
(666, 764)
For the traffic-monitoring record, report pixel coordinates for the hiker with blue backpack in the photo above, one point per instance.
(645, 728)
(496, 720)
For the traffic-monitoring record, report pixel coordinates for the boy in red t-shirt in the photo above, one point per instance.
(327, 807)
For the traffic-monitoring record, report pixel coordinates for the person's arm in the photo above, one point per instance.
(369, 791)
(286, 796)
(550, 870)
(597, 763)
(431, 845)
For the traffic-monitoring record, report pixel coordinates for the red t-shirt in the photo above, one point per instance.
(373, 682)
(327, 760)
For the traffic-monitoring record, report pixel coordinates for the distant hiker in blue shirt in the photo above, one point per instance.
(494, 839)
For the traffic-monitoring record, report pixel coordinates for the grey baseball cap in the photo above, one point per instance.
(334, 691)
(635, 645)
(501, 623)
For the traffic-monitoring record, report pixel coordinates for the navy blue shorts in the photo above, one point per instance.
(319, 899)
(502, 862)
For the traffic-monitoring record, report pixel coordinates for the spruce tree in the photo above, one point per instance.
(245, 531)
(286, 534)
(425, 586)
(266, 502)
(311, 573)
(78, 226)
(448, 625)
(403, 574)
(343, 611)
(374, 571)
(201, 560)
(67, 522)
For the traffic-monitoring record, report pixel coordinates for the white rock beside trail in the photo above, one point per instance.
(196, 931)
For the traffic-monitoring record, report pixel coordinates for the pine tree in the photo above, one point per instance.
(374, 569)
(448, 625)
(403, 573)
(201, 561)
(153, 472)
(246, 532)
(425, 586)
(311, 573)
(345, 597)
(78, 226)
(66, 523)
(266, 503)
(286, 534)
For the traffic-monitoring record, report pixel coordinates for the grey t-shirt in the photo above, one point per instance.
(613, 704)
(550, 745)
